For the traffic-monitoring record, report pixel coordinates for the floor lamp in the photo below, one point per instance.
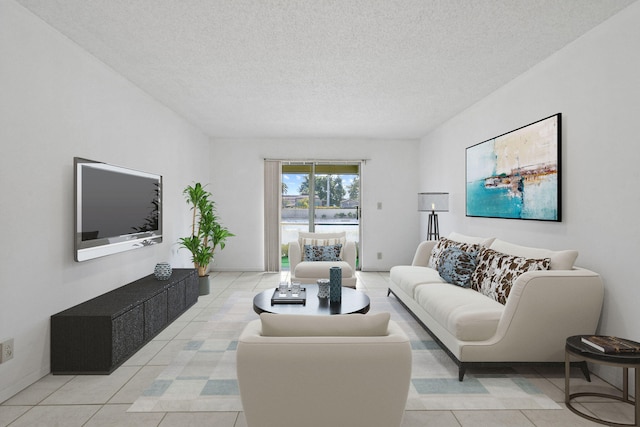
(432, 203)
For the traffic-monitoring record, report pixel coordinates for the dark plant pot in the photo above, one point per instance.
(204, 285)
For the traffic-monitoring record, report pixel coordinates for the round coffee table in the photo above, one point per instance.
(353, 301)
(577, 349)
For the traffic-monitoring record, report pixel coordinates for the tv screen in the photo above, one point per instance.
(116, 209)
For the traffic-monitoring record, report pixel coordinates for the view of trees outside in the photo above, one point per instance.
(336, 201)
(342, 190)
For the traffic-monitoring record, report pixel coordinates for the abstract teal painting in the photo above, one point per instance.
(516, 175)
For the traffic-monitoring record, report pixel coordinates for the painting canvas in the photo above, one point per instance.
(516, 175)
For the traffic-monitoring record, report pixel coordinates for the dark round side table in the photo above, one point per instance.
(577, 349)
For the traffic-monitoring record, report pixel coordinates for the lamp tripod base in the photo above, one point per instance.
(433, 232)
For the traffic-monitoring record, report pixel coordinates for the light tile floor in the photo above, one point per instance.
(99, 400)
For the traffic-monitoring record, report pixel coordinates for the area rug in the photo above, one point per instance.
(203, 375)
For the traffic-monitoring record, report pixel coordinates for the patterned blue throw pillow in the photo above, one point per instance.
(456, 266)
(322, 253)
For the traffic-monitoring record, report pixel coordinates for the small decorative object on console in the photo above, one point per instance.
(162, 271)
(335, 283)
(611, 345)
(323, 288)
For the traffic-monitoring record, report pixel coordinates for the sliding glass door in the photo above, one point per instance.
(321, 197)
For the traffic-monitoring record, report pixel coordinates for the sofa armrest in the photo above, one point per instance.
(542, 310)
(295, 254)
(545, 289)
(349, 254)
(423, 253)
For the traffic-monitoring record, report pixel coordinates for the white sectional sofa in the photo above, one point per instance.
(541, 309)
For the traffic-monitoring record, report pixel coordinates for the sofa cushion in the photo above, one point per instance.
(466, 314)
(322, 253)
(482, 241)
(320, 269)
(456, 266)
(407, 277)
(497, 271)
(560, 260)
(347, 325)
(321, 239)
(444, 243)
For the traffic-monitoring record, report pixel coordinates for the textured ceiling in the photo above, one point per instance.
(321, 68)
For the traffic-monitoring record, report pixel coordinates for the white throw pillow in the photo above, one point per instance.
(341, 325)
(482, 241)
(560, 260)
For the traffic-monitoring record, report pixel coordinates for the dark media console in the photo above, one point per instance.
(97, 336)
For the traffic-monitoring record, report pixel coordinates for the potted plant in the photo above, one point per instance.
(206, 232)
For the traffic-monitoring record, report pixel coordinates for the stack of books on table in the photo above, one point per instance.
(611, 345)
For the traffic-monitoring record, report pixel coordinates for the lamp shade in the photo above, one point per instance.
(437, 202)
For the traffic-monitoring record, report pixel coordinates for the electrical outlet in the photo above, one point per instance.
(6, 350)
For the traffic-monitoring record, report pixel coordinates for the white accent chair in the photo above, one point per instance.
(310, 271)
(319, 371)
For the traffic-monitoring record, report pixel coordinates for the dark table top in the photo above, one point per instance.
(576, 346)
(353, 301)
(124, 298)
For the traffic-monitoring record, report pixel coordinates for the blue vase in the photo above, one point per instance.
(335, 284)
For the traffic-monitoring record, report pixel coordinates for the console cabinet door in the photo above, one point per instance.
(128, 334)
(176, 299)
(192, 289)
(155, 315)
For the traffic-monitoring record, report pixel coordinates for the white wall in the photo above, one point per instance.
(389, 177)
(57, 102)
(594, 82)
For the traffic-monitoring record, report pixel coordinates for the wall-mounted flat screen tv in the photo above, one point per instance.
(116, 209)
